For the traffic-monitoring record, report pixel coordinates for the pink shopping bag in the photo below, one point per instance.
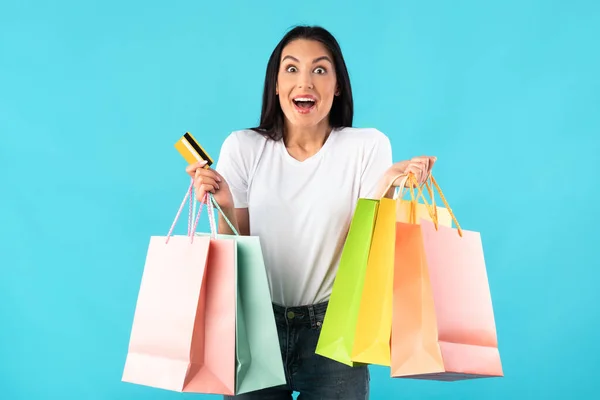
(183, 333)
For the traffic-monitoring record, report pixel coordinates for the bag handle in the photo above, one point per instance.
(210, 201)
(401, 187)
(458, 228)
(432, 213)
(191, 226)
(214, 203)
(399, 194)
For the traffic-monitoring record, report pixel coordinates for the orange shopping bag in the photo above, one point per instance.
(443, 324)
(183, 333)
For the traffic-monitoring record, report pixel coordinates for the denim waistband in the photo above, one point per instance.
(312, 315)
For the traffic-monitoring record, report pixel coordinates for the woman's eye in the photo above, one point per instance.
(291, 69)
(320, 70)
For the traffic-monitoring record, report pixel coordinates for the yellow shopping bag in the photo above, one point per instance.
(374, 324)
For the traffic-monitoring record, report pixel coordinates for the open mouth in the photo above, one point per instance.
(304, 104)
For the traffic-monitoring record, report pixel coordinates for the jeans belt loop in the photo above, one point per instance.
(311, 313)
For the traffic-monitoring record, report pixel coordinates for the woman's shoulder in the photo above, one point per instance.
(245, 143)
(365, 136)
(244, 138)
(243, 147)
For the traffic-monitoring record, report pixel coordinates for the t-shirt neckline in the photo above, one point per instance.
(312, 158)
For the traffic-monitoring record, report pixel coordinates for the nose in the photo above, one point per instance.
(305, 80)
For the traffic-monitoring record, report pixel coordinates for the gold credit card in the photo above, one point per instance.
(191, 150)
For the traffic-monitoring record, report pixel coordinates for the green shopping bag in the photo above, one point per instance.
(339, 326)
(259, 362)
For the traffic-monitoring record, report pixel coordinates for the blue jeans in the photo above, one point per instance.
(313, 376)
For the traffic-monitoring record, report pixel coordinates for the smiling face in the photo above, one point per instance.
(306, 83)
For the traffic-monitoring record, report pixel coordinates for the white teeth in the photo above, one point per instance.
(304, 99)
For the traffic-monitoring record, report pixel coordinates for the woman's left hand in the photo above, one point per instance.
(419, 166)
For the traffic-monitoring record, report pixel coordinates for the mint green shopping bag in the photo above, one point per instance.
(339, 326)
(259, 362)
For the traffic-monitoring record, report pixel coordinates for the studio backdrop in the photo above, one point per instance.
(93, 95)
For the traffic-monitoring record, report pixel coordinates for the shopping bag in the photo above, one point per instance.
(374, 322)
(336, 339)
(259, 364)
(443, 322)
(255, 309)
(183, 333)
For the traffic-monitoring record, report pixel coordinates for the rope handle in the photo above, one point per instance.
(191, 227)
(400, 192)
(433, 212)
(214, 202)
(401, 187)
(210, 202)
(432, 179)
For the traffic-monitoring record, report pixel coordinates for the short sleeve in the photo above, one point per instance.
(378, 158)
(232, 167)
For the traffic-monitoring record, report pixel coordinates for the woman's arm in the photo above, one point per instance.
(393, 177)
(390, 179)
(239, 218)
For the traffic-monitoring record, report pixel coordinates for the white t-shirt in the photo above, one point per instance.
(302, 210)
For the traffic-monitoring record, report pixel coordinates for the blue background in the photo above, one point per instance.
(94, 94)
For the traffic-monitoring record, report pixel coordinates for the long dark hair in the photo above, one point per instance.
(342, 109)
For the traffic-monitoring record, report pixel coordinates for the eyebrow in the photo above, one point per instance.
(316, 60)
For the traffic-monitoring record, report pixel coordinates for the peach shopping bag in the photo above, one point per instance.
(443, 321)
(183, 333)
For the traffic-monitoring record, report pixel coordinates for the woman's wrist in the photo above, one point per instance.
(384, 188)
(386, 184)
(224, 227)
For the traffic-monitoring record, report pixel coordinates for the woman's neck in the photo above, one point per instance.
(303, 143)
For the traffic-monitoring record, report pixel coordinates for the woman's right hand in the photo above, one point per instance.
(207, 180)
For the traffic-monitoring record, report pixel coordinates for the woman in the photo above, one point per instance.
(294, 181)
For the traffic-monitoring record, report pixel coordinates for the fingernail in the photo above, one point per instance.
(217, 185)
(203, 162)
(219, 179)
